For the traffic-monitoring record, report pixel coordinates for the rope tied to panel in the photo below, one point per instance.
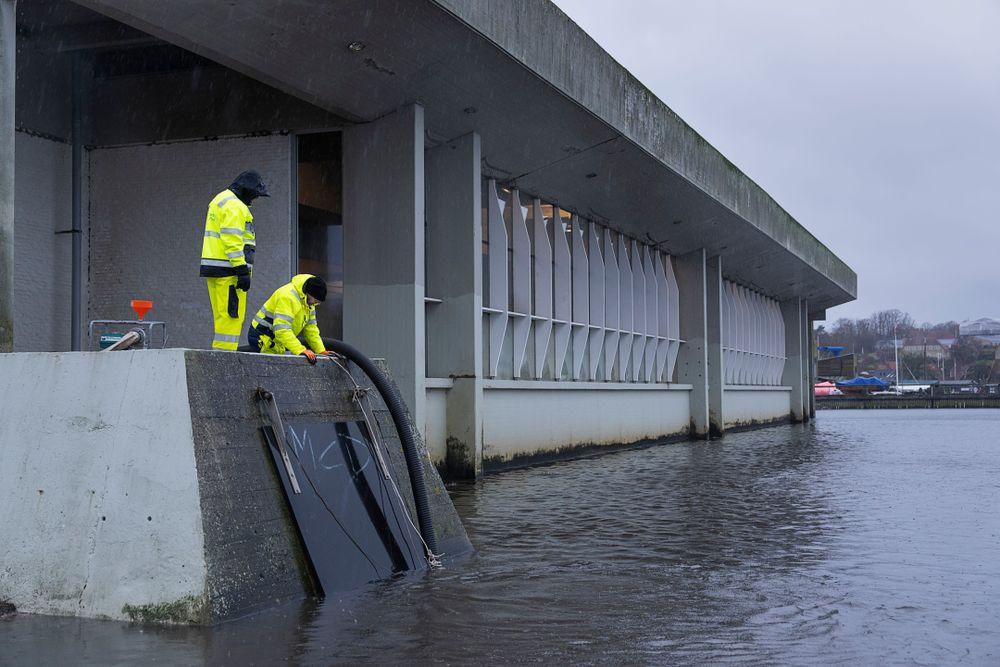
(359, 395)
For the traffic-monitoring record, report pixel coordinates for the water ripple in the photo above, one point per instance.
(867, 537)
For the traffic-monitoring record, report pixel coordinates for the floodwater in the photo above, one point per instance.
(867, 537)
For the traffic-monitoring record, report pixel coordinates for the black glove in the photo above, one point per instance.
(243, 282)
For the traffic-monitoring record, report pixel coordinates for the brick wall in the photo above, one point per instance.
(42, 206)
(147, 222)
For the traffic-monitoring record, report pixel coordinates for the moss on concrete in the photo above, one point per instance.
(189, 610)
(7, 608)
(754, 424)
(492, 464)
(457, 463)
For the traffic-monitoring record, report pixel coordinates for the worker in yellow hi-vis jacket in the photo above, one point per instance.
(289, 314)
(227, 254)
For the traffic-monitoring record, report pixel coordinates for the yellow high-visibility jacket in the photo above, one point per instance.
(285, 316)
(229, 243)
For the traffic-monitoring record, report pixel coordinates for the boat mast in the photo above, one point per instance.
(895, 349)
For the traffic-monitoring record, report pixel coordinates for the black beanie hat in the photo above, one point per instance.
(315, 287)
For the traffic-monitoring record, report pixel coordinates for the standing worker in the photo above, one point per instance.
(227, 256)
(288, 314)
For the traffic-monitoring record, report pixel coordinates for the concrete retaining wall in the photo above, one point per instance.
(98, 485)
(136, 485)
(750, 406)
(525, 421)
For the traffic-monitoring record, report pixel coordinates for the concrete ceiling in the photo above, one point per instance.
(534, 136)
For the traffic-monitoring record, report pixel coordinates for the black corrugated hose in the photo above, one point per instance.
(404, 427)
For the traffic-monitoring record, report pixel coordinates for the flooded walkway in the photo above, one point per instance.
(868, 536)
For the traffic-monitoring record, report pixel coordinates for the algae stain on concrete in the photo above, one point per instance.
(189, 610)
(7, 608)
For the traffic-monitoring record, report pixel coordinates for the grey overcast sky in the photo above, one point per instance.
(875, 123)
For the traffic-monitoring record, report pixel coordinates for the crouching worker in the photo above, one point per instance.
(286, 324)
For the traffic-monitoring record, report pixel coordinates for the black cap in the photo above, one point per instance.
(315, 287)
(249, 185)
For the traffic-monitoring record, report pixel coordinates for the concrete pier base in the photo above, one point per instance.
(137, 486)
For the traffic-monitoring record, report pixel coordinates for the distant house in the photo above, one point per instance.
(932, 348)
(991, 340)
(955, 387)
(887, 344)
(984, 326)
(947, 343)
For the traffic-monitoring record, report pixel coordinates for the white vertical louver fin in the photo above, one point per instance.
(652, 315)
(724, 322)
(596, 298)
(662, 316)
(754, 338)
(562, 289)
(772, 339)
(759, 343)
(581, 298)
(674, 324)
(638, 312)
(542, 284)
(497, 268)
(625, 303)
(612, 306)
(744, 334)
(520, 280)
(781, 342)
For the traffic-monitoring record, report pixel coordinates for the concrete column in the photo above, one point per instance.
(807, 382)
(455, 276)
(692, 360)
(715, 370)
(384, 246)
(811, 367)
(793, 373)
(7, 83)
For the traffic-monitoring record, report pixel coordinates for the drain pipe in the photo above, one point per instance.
(128, 341)
(404, 427)
(76, 307)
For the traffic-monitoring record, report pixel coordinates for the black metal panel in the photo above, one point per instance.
(352, 524)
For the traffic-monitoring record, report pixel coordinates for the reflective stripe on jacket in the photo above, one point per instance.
(228, 233)
(285, 316)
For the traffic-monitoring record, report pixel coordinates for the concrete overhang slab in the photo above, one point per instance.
(558, 116)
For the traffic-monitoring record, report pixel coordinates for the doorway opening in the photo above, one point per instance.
(320, 223)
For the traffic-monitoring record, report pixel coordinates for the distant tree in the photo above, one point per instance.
(935, 332)
(979, 371)
(886, 323)
(909, 367)
(964, 352)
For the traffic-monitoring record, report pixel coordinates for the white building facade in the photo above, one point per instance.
(547, 269)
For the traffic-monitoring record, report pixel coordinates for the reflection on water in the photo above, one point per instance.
(868, 536)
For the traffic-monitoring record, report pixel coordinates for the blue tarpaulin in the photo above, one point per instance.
(873, 383)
